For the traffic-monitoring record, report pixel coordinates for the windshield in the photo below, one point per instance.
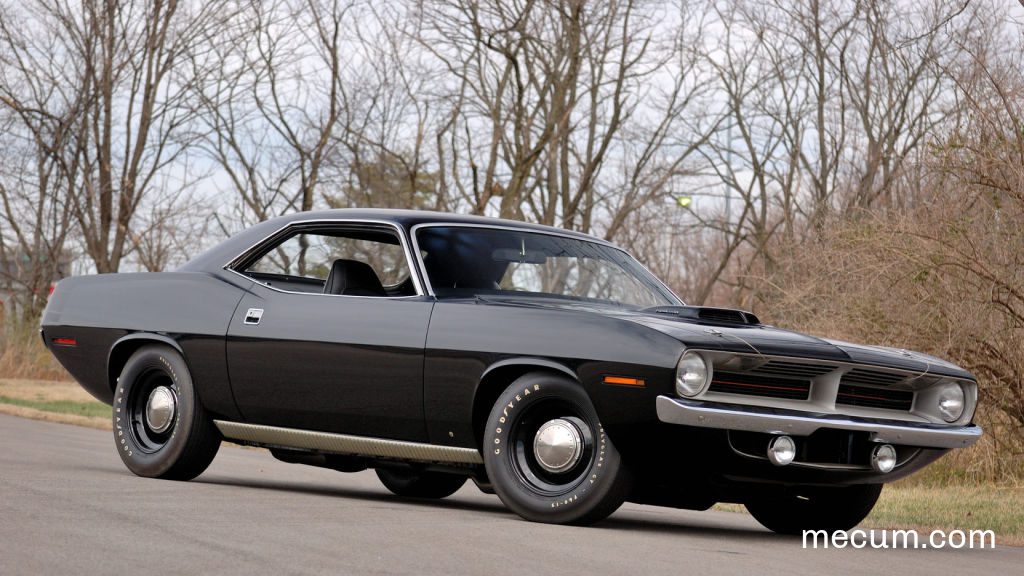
(464, 261)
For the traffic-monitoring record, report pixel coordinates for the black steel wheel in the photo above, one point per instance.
(791, 510)
(160, 427)
(409, 482)
(548, 455)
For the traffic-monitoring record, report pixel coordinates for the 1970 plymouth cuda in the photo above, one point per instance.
(548, 366)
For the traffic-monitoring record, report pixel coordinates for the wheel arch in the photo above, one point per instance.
(125, 346)
(499, 375)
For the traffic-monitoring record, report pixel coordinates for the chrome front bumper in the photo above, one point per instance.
(777, 421)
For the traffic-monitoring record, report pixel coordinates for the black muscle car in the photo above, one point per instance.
(548, 366)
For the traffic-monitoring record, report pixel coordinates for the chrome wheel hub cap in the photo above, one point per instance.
(558, 445)
(160, 409)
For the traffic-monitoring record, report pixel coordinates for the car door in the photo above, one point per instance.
(349, 362)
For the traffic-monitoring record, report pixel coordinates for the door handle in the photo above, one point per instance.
(253, 316)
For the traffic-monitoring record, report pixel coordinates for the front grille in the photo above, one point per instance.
(769, 387)
(794, 369)
(875, 397)
(872, 377)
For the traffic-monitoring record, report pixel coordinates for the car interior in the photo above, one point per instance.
(335, 261)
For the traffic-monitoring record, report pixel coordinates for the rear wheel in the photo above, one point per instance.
(548, 456)
(411, 483)
(795, 509)
(160, 427)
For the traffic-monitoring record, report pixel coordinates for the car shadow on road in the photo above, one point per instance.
(453, 503)
(625, 520)
(680, 527)
(631, 520)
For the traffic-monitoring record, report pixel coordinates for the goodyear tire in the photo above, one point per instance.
(795, 509)
(160, 427)
(411, 483)
(548, 455)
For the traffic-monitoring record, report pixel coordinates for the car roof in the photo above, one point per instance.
(220, 254)
(409, 218)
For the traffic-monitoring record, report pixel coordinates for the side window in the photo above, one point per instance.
(340, 261)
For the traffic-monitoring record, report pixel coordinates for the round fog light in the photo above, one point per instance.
(781, 450)
(883, 458)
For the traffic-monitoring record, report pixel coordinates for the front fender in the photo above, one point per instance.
(529, 362)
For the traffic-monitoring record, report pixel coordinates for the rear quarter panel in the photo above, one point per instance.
(191, 308)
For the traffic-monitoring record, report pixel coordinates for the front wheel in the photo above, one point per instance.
(160, 427)
(548, 456)
(795, 509)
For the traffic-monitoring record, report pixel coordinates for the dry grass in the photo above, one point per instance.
(44, 390)
(938, 279)
(983, 507)
(22, 355)
(62, 418)
(53, 401)
(906, 505)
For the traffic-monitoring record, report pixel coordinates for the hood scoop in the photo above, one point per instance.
(727, 316)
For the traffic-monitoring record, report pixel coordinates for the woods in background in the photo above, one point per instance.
(845, 167)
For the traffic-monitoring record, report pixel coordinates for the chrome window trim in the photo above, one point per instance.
(426, 277)
(414, 271)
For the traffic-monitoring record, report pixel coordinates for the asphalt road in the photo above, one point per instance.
(68, 506)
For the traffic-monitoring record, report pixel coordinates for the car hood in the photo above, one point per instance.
(762, 339)
(774, 341)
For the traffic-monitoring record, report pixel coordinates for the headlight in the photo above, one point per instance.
(692, 374)
(951, 401)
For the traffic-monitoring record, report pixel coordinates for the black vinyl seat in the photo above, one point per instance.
(353, 278)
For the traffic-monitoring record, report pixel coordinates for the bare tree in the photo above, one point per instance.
(268, 117)
(388, 153)
(826, 102)
(35, 213)
(36, 220)
(897, 89)
(548, 99)
(115, 64)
